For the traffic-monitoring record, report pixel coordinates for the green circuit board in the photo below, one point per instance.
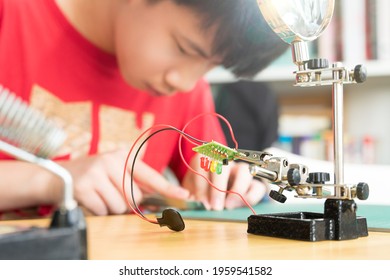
(216, 151)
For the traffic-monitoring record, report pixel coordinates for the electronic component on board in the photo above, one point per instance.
(217, 151)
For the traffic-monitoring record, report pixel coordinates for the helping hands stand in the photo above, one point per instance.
(339, 220)
(296, 23)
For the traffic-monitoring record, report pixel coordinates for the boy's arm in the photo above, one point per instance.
(97, 183)
(24, 185)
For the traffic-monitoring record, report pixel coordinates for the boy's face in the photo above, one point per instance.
(161, 48)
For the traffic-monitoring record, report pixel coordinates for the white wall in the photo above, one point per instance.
(367, 111)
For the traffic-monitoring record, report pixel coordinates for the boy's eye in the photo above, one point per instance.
(181, 49)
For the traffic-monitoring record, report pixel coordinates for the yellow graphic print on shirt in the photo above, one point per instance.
(117, 127)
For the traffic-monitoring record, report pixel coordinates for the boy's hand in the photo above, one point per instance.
(98, 182)
(235, 177)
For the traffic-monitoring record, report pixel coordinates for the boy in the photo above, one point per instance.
(108, 70)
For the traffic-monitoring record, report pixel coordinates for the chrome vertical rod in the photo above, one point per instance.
(338, 127)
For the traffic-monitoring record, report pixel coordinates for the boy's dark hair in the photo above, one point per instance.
(244, 39)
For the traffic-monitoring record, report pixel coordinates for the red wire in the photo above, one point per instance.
(183, 159)
(201, 175)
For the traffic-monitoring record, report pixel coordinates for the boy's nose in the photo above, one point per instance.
(181, 81)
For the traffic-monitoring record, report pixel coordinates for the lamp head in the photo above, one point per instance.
(297, 20)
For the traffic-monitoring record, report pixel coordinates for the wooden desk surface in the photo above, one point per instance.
(128, 237)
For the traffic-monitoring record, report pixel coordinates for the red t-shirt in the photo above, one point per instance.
(47, 62)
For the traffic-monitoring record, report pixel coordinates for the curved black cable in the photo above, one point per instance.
(136, 155)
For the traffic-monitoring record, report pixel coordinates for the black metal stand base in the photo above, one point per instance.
(65, 239)
(339, 222)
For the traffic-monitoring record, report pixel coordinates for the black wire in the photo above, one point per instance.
(136, 155)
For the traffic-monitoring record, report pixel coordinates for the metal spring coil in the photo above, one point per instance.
(27, 128)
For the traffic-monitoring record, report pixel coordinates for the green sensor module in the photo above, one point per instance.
(216, 151)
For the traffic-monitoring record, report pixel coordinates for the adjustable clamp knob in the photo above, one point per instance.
(278, 196)
(318, 178)
(362, 191)
(293, 177)
(360, 73)
(317, 63)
